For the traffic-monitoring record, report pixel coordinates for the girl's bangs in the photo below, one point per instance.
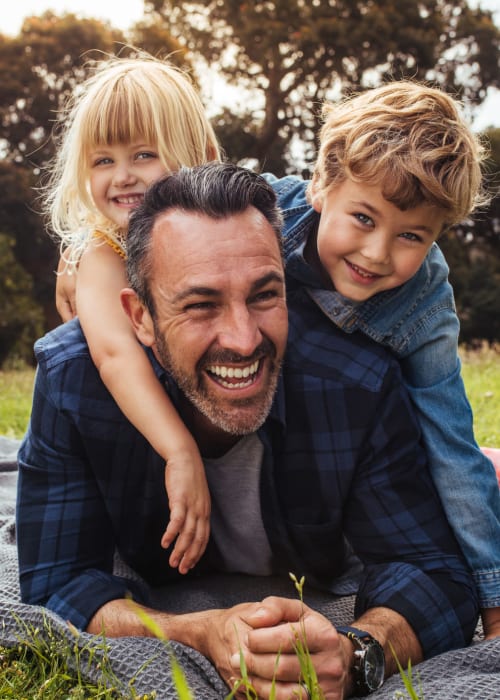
(119, 120)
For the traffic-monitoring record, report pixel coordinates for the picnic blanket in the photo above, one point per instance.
(472, 673)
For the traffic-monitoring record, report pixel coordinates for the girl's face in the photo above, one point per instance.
(119, 176)
(365, 244)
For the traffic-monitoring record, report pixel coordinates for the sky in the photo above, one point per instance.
(123, 13)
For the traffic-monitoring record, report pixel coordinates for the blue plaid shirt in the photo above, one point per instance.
(342, 464)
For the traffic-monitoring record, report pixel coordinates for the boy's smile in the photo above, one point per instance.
(365, 244)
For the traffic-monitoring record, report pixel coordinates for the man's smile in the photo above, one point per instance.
(234, 377)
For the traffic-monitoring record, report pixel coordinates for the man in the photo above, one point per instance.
(298, 463)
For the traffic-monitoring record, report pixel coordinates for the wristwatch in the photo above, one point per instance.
(369, 662)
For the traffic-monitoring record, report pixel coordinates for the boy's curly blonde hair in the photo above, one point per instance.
(411, 139)
(125, 100)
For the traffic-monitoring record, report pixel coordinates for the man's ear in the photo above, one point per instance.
(316, 194)
(139, 316)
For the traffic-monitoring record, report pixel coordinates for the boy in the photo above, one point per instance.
(397, 166)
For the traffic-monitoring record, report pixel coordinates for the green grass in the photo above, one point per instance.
(49, 667)
(16, 388)
(481, 374)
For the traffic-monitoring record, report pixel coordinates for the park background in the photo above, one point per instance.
(263, 69)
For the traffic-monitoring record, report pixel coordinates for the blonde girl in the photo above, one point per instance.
(131, 122)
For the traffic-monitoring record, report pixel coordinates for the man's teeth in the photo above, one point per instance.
(245, 373)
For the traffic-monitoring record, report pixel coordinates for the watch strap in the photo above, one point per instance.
(353, 633)
(362, 641)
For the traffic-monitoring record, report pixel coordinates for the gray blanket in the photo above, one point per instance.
(472, 673)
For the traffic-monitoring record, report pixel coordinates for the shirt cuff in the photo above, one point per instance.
(84, 595)
(441, 605)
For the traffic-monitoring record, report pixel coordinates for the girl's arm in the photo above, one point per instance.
(127, 373)
(65, 291)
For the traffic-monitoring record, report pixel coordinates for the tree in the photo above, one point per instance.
(21, 320)
(472, 250)
(40, 67)
(293, 54)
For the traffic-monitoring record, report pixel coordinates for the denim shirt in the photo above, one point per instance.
(418, 323)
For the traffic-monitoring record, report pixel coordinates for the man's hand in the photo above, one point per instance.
(65, 292)
(258, 630)
(262, 632)
(275, 626)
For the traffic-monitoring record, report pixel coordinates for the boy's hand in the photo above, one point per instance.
(65, 292)
(189, 502)
(491, 622)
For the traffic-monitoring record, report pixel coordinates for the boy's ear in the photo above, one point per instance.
(139, 316)
(317, 194)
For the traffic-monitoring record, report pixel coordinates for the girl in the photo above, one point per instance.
(131, 122)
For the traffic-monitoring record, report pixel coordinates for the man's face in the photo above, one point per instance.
(221, 317)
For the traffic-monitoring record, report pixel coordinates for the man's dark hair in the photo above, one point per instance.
(217, 190)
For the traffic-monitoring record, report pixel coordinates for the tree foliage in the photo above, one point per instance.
(288, 56)
(42, 65)
(21, 320)
(473, 253)
(293, 54)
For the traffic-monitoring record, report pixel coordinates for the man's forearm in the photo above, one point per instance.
(124, 618)
(391, 629)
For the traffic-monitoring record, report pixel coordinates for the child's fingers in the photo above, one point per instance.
(175, 525)
(191, 544)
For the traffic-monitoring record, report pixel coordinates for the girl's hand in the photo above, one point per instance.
(65, 292)
(189, 502)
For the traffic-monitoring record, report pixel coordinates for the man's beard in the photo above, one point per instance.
(234, 422)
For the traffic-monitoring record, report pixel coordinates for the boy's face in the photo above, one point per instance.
(367, 245)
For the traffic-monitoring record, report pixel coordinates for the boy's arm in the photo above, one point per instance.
(467, 485)
(463, 475)
(427, 347)
(128, 375)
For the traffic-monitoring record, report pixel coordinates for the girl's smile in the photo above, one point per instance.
(119, 176)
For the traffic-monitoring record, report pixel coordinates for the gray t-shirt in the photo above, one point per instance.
(236, 519)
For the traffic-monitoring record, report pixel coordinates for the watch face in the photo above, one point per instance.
(374, 667)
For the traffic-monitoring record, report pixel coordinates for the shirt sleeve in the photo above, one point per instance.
(465, 478)
(397, 526)
(65, 540)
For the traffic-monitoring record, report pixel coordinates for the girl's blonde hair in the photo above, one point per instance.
(124, 100)
(409, 138)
